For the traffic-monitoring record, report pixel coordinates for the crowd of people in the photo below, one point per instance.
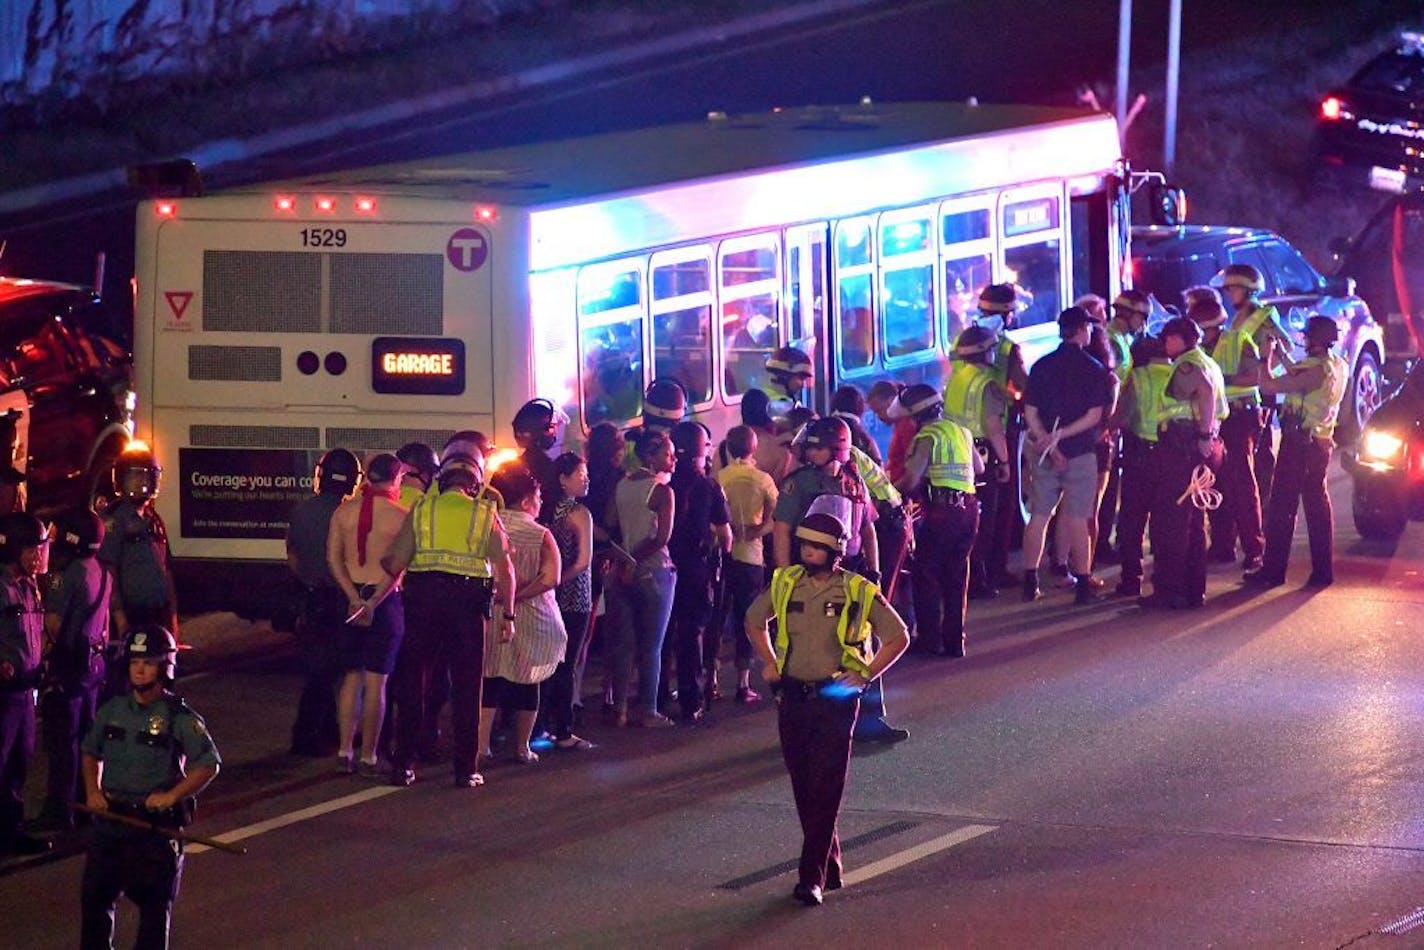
(456, 576)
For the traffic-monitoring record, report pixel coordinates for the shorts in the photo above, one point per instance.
(374, 648)
(1076, 487)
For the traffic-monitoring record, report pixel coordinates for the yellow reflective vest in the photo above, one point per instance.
(452, 533)
(877, 482)
(1122, 349)
(1173, 408)
(964, 396)
(1149, 389)
(410, 493)
(951, 455)
(852, 630)
(1230, 347)
(1317, 411)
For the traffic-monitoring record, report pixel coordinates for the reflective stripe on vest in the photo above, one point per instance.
(1122, 344)
(1230, 347)
(951, 455)
(1174, 408)
(876, 481)
(1264, 318)
(1149, 386)
(855, 643)
(964, 396)
(452, 532)
(1318, 410)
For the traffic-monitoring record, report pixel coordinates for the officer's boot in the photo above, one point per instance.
(1030, 585)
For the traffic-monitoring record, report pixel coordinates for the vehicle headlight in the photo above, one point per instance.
(1381, 445)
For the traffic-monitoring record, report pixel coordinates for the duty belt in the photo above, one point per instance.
(947, 497)
(791, 688)
(1245, 405)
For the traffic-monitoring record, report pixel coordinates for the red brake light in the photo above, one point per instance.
(165, 209)
(366, 205)
(485, 213)
(1330, 108)
(285, 203)
(326, 204)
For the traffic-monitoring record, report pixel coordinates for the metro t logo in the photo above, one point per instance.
(467, 250)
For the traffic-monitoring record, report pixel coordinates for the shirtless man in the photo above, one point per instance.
(362, 531)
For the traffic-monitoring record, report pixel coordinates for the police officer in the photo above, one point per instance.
(419, 463)
(536, 431)
(999, 309)
(1130, 310)
(828, 480)
(1235, 352)
(975, 399)
(789, 380)
(24, 553)
(1189, 446)
(941, 469)
(1313, 389)
(148, 756)
(135, 547)
(1242, 285)
(818, 667)
(76, 633)
(453, 548)
(322, 615)
(664, 405)
(1138, 415)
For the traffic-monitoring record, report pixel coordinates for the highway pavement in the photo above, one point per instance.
(1242, 775)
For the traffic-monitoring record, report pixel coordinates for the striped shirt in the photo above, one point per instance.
(539, 636)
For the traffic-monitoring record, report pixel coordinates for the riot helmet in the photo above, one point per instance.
(19, 531)
(337, 472)
(974, 342)
(664, 402)
(690, 439)
(1322, 330)
(419, 460)
(79, 532)
(152, 641)
(137, 473)
(537, 422)
(922, 401)
(829, 432)
(825, 531)
(1243, 276)
(787, 362)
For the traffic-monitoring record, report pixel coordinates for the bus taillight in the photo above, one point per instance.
(165, 209)
(285, 203)
(326, 205)
(366, 205)
(485, 213)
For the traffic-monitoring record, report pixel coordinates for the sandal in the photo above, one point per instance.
(574, 742)
(526, 756)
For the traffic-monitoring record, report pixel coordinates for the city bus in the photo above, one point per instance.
(372, 307)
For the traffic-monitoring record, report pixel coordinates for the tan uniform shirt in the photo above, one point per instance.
(811, 620)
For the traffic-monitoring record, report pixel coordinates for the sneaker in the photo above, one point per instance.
(713, 692)
(1128, 589)
(745, 694)
(1251, 565)
(369, 770)
(403, 778)
(469, 780)
(1261, 579)
(652, 721)
(345, 763)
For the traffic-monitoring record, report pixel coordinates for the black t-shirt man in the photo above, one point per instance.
(1063, 386)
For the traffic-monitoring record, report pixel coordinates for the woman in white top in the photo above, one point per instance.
(514, 670)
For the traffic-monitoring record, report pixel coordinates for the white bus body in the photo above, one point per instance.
(373, 307)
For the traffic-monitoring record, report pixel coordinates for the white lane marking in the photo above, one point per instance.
(910, 855)
(301, 814)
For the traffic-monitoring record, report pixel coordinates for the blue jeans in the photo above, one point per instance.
(640, 618)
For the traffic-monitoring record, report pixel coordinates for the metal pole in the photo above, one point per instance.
(1124, 55)
(1174, 62)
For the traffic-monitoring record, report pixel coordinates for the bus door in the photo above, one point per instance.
(807, 272)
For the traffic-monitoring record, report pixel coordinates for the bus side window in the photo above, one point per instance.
(963, 279)
(682, 320)
(1038, 270)
(610, 307)
(907, 302)
(855, 295)
(750, 288)
(967, 256)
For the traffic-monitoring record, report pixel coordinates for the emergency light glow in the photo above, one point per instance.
(499, 458)
(326, 204)
(285, 203)
(1330, 108)
(365, 205)
(485, 213)
(165, 209)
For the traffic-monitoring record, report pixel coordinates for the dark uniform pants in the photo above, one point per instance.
(692, 610)
(989, 557)
(17, 748)
(815, 744)
(743, 583)
(1179, 530)
(315, 731)
(1300, 480)
(1139, 487)
(68, 712)
(445, 629)
(1240, 513)
(145, 867)
(946, 536)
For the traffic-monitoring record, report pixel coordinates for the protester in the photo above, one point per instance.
(572, 527)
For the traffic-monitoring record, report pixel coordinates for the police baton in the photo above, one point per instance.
(174, 833)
